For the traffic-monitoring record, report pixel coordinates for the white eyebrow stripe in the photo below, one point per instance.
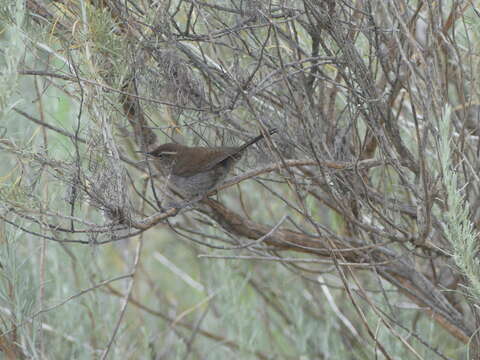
(168, 153)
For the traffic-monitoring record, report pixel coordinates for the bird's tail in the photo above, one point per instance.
(255, 139)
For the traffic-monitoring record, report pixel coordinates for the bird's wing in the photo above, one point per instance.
(185, 167)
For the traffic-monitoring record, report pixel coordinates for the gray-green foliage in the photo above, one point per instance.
(252, 309)
(12, 52)
(458, 226)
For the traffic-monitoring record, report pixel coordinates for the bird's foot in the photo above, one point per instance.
(184, 204)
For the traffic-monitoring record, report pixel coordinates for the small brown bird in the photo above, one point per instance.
(195, 171)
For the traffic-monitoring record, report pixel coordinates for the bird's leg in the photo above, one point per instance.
(184, 204)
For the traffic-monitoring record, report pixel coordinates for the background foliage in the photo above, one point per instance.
(350, 234)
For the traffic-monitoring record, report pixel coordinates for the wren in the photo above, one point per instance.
(195, 171)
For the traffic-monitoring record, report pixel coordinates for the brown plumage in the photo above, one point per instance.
(194, 171)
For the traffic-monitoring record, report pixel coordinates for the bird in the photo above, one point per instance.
(193, 172)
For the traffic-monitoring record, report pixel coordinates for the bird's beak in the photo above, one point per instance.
(144, 153)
